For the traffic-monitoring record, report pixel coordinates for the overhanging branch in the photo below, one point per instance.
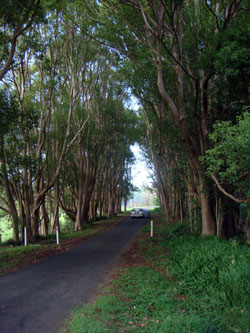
(226, 193)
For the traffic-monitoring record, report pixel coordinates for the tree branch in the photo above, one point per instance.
(17, 32)
(226, 193)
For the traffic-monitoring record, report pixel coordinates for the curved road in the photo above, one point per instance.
(39, 298)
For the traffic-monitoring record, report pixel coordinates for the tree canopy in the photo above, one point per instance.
(67, 72)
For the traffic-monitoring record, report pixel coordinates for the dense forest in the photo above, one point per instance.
(68, 71)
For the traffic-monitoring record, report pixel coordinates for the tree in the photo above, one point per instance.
(71, 128)
(229, 159)
(9, 116)
(181, 39)
(41, 94)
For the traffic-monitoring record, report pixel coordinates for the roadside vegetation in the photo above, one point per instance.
(174, 282)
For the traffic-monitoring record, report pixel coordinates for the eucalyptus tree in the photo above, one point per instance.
(48, 79)
(181, 39)
(96, 166)
(69, 129)
(160, 138)
(9, 124)
(120, 135)
(120, 157)
(127, 186)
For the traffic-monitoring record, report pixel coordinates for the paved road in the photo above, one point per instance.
(38, 298)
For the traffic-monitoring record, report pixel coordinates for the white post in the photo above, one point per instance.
(57, 236)
(151, 229)
(25, 236)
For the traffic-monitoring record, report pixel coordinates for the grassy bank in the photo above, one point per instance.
(174, 283)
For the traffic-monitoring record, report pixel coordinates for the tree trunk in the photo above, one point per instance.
(111, 207)
(55, 208)
(125, 205)
(11, 200)
(208, 222)
(78, 222)
(27, 208)
(44, 230)
(15, 224)
(35, 219)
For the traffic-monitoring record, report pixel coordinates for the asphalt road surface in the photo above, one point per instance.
(39, 298)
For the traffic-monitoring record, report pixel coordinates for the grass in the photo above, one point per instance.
(217, 273)
(12, 256)
(186, 284)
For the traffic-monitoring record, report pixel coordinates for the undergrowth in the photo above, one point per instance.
(10, 256)
(189, 284)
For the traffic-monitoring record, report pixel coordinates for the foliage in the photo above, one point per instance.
(73, 66)
(11, 11)
(213, 274)
(8, 113)
(232, 64)
(5, 228)
(181, 60)
(190, 284)
(68, 140)
(229, 159)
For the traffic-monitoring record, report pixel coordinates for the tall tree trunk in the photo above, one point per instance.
(35, 218)
(78, 221)
(55, 209)
(11, 200)
(15, 226)
(125, 205)
(208, 222)
(44, 230)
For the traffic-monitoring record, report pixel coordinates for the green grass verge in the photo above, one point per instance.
(11, 256)
(190, 284)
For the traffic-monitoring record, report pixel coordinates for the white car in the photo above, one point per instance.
(137, 212)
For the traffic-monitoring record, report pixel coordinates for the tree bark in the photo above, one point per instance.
(10, 196)
(208, 222)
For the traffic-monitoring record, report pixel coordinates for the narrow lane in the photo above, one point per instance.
(39, 298)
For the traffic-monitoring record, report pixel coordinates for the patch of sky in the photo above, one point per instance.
(141, 174)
